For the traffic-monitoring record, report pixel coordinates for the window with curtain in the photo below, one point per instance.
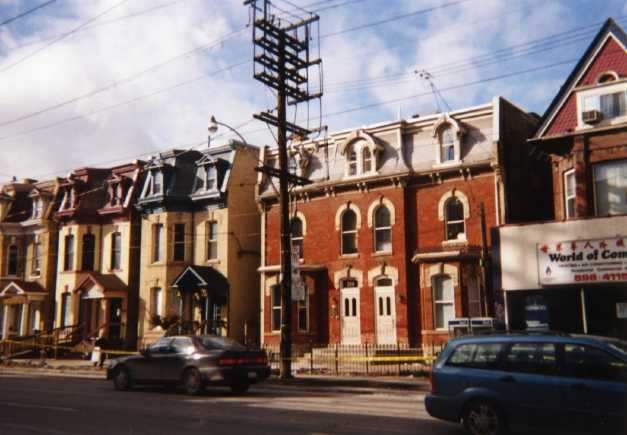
(297, 236)
(275, 295)
(454, 219)
(89, 252)
(349, 232)
(179, 242)
(611, 105)
(610, 187)
(447, 145)
(212, 240)
(157, 243)
(116, 251)
(68, 255)
(382, 230)
(443, 301)
(570, 194)
(13, 263)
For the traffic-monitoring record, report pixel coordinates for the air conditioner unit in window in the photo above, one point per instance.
(591, 116)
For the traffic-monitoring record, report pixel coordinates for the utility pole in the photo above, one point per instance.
(484, 260)
(282, 62)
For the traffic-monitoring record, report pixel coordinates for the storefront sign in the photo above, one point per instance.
(583, 261)
(536, 313)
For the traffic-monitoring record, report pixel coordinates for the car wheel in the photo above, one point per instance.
(240, 387)
(122, 379)
(192, 381)
(482, 417)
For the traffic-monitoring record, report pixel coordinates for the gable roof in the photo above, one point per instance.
(21, 287)
(205, 277)
(106, 282)
(609, 29)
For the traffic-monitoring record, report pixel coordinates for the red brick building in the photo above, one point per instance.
(584, 134)
(389, 231)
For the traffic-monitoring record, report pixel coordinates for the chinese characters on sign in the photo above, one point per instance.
(582, 261)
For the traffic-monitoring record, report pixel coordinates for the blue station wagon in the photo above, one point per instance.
(532, 383)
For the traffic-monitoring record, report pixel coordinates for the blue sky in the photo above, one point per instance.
(155, 98)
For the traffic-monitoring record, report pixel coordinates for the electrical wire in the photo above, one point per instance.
(25, 13)
(6, 68)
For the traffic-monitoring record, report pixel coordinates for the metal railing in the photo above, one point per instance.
(364, 359)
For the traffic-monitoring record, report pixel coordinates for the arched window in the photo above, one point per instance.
(454, 219)
(447, 145)
(351, 155)
(297, 236)
(443, 301)
(13, 260)
(382, 230)
(349, 232)
(367, 160)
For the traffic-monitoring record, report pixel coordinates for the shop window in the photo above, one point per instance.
(610, 187)
(382, 230)
(68, 255)
(443, 301)
(590, 363)
(454, 219)
(157, 243)
(14, 259)
(570, 194)
(275, 296)
(297, 236)
(36, 262)
(156, 301)
(349, 232)
(116, 251)
(303, 313)
(212, 240)
(179, 242)
(89, 252)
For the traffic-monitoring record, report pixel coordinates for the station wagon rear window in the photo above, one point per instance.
(217, 343)
(476, 355)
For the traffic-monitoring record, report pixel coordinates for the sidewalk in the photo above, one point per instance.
(85, 369)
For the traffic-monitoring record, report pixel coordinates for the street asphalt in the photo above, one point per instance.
(35, 404)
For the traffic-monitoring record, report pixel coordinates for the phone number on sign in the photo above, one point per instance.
(620, 276)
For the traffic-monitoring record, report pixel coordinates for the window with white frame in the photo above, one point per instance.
(360, 158)
(443, 301)
(454, 219)
(211, 178)
(610, 105)
(66, 308)
(610, 187)
(351, 157)
(303, 312)
(36, 261)
(382, 230)
(447, 145)
(297, 236)
(275, 296)
(367, 159)
(38, 208)
(68, 199)
(157, 243)
(212, 240)
(570, 194)
(349, 232)
(155, 183)
(156, 301)
(116, 251)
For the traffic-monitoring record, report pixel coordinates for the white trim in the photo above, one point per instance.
(602, 89)
(565, 196)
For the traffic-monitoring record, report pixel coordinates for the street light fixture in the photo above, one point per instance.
(213, 128)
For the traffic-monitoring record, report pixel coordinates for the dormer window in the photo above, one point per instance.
(611, 105)
(206, 178)
(68, 200)
(38, 208)
(116, 194)
(605, 104)
(448, 133)
(154, 184)
(447, 145)
(367, 159)
(351, 156)
(361, 155)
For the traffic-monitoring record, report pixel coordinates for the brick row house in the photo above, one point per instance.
(389, 233)
(28, 253)
(570, 274)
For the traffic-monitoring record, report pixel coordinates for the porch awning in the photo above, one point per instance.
(197, 278)
(97, 285)
(29, 290)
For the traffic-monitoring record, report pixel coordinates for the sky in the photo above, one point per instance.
(102, 82)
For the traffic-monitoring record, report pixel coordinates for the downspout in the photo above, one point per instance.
(263, 276)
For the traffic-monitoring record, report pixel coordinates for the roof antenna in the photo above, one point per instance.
(437, 96)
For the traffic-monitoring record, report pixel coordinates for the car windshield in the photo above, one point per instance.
(213, 343)
(619, 345)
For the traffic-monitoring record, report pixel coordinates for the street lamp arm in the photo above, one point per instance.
(213, 127)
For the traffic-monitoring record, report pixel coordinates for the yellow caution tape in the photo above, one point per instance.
(73, 348)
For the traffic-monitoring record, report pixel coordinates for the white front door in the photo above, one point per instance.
(385, 314)
(351, 331)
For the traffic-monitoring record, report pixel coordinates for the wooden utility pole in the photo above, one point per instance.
(282, 62)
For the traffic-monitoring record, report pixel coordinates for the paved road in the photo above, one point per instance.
(70, 406)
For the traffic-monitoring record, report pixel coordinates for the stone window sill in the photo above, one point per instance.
(348, 256)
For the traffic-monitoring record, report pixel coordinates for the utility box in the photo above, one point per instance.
(482, 325)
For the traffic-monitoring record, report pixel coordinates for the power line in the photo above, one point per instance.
(27, 12)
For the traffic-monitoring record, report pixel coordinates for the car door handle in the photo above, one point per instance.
(508, 379)
(580, 387)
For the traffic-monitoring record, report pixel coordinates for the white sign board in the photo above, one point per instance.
(621, 310)
(582, 261)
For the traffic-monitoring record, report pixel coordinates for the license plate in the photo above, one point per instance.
(252, 375)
